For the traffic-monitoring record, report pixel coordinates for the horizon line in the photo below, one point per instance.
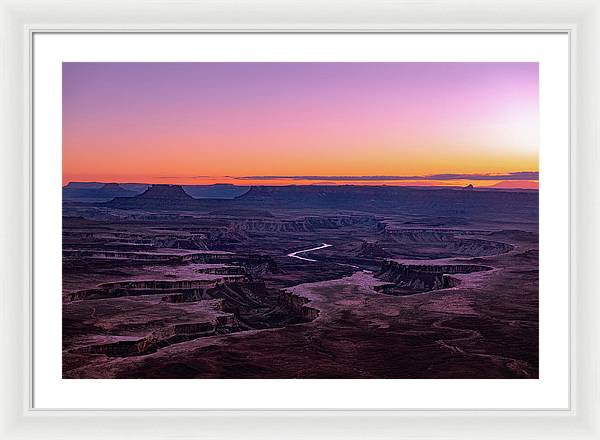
(514, 175)
(516, 179)
(533, 185)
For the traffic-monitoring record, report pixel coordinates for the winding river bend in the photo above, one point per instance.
(295, 254)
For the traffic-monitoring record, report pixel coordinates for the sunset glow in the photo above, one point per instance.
(197, 123)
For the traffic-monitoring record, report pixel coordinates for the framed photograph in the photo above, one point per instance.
(310, 222)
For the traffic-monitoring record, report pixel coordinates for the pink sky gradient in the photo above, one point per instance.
(142, 122)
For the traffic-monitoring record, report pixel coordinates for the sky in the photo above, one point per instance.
(301, 123)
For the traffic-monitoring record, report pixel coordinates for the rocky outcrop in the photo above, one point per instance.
(227, 236)
(371, 249)
(195, 288)
(238, 306)
(175, 242)
(423, 277)
(298, 303)
(256, 265)
(341, 221)
(185, 332)
(250, 265)
(160, 197)
(164, 337)
(165, 192)
(104, 192)
(78, 254)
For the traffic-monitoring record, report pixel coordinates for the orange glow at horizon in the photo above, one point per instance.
(523, 184)
(169, 122)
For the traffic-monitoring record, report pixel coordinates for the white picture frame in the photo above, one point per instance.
(20, 20)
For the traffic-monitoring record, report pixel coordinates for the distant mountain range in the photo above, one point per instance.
(373, 199)
(103, 192)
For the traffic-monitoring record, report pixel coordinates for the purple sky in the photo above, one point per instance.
(140, 121)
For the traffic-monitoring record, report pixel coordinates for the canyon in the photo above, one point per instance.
(165, 281)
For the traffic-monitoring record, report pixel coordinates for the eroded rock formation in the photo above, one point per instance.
(414, 278)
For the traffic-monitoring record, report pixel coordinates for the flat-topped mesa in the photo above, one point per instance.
(95, 192)
(160, 197)
(192, 288)
(174, 334)
(396, 199)
(442, 243)
(407, 278)
(161, 191)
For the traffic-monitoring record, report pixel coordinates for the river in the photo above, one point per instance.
(295, 254)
